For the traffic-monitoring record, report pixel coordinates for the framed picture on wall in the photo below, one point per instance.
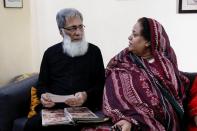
(13, 3)
(187, 6)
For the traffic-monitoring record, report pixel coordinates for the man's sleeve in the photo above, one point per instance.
(95, 93)
(43, 76)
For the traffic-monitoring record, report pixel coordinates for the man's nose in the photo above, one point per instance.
(78, 31)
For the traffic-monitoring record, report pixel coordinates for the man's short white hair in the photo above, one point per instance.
(65, 14)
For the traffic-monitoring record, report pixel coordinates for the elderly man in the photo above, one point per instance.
(72, 66)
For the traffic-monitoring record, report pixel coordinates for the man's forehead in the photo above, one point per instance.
(74, 20)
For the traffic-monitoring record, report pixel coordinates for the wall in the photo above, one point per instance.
(109, 23)
(26, 33)
(15, 42)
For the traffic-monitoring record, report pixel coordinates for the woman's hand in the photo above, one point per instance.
(46, 101)
(123, 125)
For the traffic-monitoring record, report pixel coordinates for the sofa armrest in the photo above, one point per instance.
(14, 101)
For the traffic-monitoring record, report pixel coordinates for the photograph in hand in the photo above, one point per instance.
(59, 98)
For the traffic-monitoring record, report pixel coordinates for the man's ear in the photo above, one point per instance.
(61, 32)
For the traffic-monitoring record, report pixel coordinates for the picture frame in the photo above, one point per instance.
(187, 6)
(13, 3)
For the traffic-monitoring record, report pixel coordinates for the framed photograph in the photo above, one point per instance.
(13, 3)
(187, 6)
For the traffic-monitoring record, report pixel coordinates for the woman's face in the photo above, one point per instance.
(137, 44)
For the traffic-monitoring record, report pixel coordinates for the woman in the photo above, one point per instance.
(144, 89)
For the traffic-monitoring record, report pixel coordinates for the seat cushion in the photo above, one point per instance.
(19, 124)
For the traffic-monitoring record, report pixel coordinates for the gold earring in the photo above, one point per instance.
(149, 44)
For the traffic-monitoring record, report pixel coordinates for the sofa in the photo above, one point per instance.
(15, 102)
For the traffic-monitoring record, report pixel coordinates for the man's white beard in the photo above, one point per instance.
(76, 48)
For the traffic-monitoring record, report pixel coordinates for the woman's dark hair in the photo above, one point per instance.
(145, 32)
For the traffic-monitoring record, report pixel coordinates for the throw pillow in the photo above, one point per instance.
(22, 77)
(34, 102)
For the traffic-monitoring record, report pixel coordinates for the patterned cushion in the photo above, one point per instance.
(34, 102)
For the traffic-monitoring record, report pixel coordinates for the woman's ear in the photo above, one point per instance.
(147, 44)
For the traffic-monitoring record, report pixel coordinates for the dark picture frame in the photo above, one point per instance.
(187, 6)
(13, 3)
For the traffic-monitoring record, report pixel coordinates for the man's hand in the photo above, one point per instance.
(81, 97)
(46, 101)
(123, 125)
(78, 100)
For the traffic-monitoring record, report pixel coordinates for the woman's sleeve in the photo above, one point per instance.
(117, 108)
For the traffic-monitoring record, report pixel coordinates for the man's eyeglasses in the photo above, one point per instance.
(74, 28)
